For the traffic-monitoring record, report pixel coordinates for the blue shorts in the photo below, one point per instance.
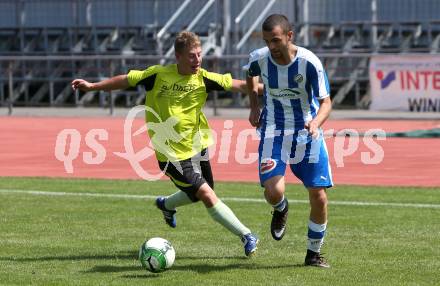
(307, 157)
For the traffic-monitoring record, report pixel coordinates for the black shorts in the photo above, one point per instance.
(190, 174)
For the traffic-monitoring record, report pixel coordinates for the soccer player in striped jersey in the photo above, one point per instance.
(296, 104)
(179, 130)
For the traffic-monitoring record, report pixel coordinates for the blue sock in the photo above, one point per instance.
(315, 236)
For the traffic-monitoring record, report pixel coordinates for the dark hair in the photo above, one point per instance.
(186, 39)
(277, 20)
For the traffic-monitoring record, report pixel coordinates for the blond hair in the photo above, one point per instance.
(186, 39)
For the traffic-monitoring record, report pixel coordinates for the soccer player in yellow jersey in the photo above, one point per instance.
(179, 130)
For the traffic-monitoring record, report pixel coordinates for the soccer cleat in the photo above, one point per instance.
(278, 224)
(250, 242)
(315, 259)
(169, 216)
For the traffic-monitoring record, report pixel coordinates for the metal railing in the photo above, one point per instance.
(24, 77)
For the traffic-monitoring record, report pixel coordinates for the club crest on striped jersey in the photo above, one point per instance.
(298, 78)
(267, 165)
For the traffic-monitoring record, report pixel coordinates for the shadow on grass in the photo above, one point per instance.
(113, 268)
(238, 257)
(198, 264)
(206, 267)
(200, 268)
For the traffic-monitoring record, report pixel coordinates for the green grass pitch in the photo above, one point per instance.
(94, 240)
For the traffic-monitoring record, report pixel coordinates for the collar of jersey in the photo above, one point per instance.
(289, 64)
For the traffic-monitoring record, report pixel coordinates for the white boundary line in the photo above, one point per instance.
(253, 200)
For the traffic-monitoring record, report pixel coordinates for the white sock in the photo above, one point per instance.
(177, 199)
(280, 205)
(224, 215)
(315, 236)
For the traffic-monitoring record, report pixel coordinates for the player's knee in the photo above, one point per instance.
(274, 194)
(272, 197)
(207, 195)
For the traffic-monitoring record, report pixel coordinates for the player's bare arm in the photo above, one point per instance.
(323, 113)
(241, 86)
(252, 87)
(113, 83)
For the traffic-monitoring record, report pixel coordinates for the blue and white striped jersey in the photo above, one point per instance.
(291, 92)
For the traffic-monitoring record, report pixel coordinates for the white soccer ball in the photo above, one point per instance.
(157, 254)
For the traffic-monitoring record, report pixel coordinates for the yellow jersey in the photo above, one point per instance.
(176, 124)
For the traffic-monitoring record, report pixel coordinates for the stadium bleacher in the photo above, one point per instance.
(43, 45)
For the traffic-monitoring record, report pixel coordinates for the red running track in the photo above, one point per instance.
(28, 149)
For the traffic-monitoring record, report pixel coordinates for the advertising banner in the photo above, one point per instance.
(405, 83)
